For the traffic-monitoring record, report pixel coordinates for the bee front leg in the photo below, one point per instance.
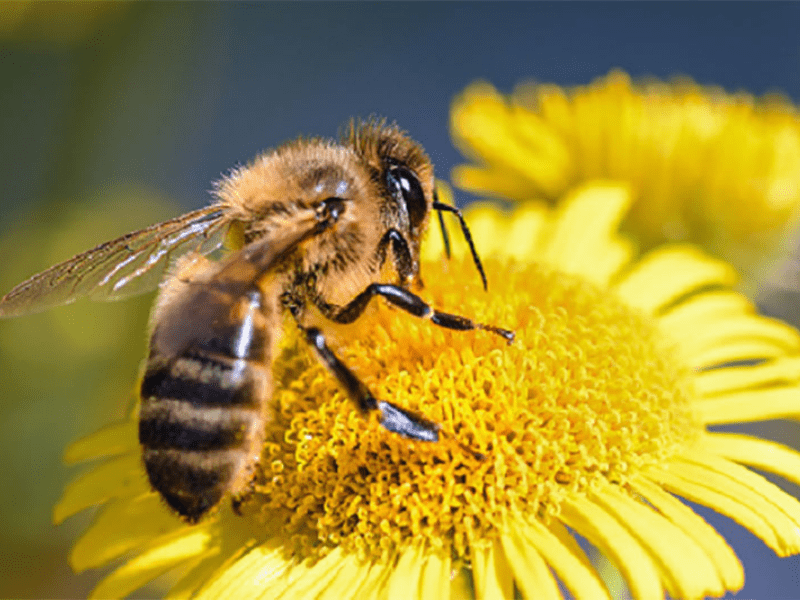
(411, 303)
(392, 417)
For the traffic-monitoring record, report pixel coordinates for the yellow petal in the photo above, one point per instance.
(493, 579)
(750, 500)
(252, 575)
(374, 584)
(114, 478)
(765, 455)
(735, 329)
(733, 352)
(119, 438)
(436, 576)
(688, 571)
(484, 221)
(681, 320)
(717, 381)
(150, 564)
(312, 580)
(531, 573)
(405, 579)
(665, 275)
(609, 261)
(525, 233)
(580, 579)
(120, 527)
(727, 564)
(492, 182)
(610, 536)
(348, 581)
(197, 575)
(749, 405)
(588, 219)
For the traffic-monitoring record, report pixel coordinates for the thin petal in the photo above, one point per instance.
(154, 562)
(727, 564)
(436, 576)
(665, 275)
(114, 478)
(493, 579)
(610, 260)
(738, 328)
(348, 581)
(717, 381)
(688, 571)
(123, 526)
(763, 454)
(613, 539)
(750, 405)
(588, 220)
(734, 352)
(526, 231)
(704, 307)
(405, 580)
(485, 127)
(531, 573)
(485, 220)
(579, 578)
(312, 579)
(493, 182)
(119, 438)
(681, 320)
(188, 585)
(252, 575)
(745, 497)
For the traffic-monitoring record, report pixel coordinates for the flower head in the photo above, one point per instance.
(594, 421)
(718, 169)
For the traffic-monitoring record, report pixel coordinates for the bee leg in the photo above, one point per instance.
(236, 504)
(403, 262)
(411, 303)
(392, 417)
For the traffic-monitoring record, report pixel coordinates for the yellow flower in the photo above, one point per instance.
(721, 170)
(594, 421)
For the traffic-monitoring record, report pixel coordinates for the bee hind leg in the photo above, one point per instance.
(392, 417)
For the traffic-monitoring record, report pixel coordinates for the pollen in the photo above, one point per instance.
(586, 394)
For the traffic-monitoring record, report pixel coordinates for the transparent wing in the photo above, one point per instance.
(132, 264)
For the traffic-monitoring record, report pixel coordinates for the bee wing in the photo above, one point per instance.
(132, 264)
(257, 259)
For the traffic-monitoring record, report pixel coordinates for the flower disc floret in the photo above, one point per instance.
(587, 391)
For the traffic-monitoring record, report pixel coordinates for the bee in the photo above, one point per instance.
(320, 224)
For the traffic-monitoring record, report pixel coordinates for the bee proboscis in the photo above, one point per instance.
(323, 224)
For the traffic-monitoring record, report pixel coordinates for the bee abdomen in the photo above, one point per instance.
(170, 424)
(201, 424)
(203, 380)
(191, 482)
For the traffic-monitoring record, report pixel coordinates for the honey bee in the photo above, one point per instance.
(320, 224)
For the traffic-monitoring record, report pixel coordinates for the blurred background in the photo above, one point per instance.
(114, 116)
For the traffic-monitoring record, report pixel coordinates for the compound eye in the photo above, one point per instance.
(406, 187)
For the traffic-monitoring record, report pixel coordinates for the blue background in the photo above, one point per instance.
(164, 98)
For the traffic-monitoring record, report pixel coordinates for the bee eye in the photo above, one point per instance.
(406, 188)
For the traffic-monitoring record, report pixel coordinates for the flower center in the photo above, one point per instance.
(588, 391)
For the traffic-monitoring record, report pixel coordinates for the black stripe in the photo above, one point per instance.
(159, 383)
(155, 433)
(188, 488)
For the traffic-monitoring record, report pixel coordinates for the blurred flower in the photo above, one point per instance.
(593, 421)
(721, 170)
(56, 23)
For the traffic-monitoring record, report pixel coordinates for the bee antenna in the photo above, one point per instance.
(452, 209)
(445, 235)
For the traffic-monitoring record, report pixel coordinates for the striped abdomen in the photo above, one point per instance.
(204, 395)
